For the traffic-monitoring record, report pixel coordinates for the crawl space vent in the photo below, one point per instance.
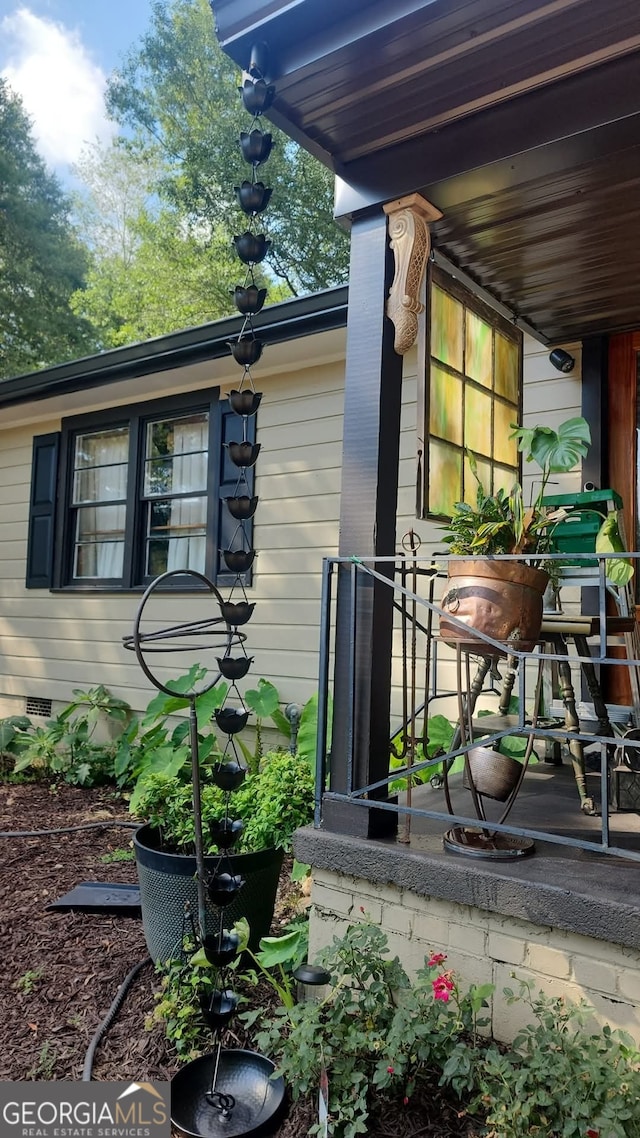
(34, 706)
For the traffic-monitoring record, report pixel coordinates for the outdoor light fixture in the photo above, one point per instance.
(312, 980)
(562, 360)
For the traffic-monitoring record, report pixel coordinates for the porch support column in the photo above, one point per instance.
(373, 394)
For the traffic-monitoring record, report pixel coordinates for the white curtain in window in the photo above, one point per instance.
(101, 477)
(186, 547)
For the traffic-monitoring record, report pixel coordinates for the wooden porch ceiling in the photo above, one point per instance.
(519, 119)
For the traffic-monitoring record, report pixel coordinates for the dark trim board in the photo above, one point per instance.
(290, 320)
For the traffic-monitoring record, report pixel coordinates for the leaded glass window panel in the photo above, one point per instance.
(471, 399)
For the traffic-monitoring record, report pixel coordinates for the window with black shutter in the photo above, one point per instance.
(141, 491)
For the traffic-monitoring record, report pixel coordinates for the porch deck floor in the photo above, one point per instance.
(548, 800)
(583, 891)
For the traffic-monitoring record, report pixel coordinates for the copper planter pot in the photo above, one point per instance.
(494, 775)
(502, 599)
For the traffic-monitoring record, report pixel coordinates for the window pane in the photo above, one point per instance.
(99, 542)
(478, 349)
(470, 484)
(176, 536)
(446, 328)
(176, 455)
(445, 478)
(506, 367)
(506, 449)
(100, 466)
(445, 406)
(504, 479)
(477, 420)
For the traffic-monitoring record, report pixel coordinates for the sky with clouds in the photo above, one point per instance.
(58, 54)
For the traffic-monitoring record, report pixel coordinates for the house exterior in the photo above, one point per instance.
(60, 630)
(499, 145)
(62, 619)
(487, 162)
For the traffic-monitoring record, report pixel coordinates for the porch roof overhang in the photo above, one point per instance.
(518, 119)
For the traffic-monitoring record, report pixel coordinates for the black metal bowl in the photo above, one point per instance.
(259, 1099)
(255, 146)
(251, 247)
(218, 1008)
(246, 351)
(234, 667)
(244, 454)
(253, 197)
(241, 507)
(224, 832)
(250, 299)
(230, 720)
(223, 888)
(237, 612)
(257, 96)
(239, 560)
(245, 402)
(221, 950)
(228, 776)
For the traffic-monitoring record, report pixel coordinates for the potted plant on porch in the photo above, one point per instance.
(503, 599)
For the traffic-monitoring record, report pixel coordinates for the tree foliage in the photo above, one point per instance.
(176, 91)
(41, 261)
(152, 270)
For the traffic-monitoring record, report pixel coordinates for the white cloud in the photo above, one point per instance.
(61, 87)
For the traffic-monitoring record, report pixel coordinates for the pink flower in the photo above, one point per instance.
(442, 994)
(593, 1134)
(405, 1101)
(389, 1070)
(362, 908)
(442, 987)
(436, 959)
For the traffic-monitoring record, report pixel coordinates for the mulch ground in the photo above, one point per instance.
(60, 971)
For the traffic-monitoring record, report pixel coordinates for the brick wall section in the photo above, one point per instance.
(483, 948)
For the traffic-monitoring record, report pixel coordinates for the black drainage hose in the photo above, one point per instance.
(69, 829)
(109, 1018)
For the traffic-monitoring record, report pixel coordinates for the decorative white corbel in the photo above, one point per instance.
(410, 239)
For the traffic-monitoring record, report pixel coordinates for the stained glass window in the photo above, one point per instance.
(472, 397)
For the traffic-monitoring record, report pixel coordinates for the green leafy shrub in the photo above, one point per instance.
(560, 1080)
(272, 803)
(177, 1005)
(376, 1033)
(65, 747)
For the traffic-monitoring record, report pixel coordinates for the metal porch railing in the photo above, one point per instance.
(430, 677)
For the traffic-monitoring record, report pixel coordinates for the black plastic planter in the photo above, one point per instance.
(168, 883)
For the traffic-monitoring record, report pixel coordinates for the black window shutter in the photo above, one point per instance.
(231, 431)
(42, 507)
